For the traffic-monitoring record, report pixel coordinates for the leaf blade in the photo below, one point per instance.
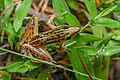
(107, 22)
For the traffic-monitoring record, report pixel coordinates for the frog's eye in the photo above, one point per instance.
(68, 36)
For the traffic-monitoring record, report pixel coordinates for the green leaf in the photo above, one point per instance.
(5, 76)
(60, 6)
(21, 69)
(32, 65)
(73, 4)
(116, 14)
(17, 24)
(90, 4)
(8, 3)
(89, 37)
(62, 9)
(13, 36)
(88, 49)
(116, 58)
(107, 22)
(104, 42)
(106, 11)
(10, 40)
(71, 20)
(99, 31)
(32, 74)
(44, 74)
(75, 55)
(11, 30)
(20, 66)
(20, 14)
(17, 67)
(2, 53)
(23, 9)
(117, 35)
(2, 3)
(110, 50)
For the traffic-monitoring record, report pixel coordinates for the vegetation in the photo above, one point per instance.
(88, 55)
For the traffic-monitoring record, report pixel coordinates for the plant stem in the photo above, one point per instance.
(86, 25)
(50, 63)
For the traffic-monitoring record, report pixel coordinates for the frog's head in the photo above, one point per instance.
(72, 31)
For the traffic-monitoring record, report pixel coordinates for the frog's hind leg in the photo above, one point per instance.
(39, 53)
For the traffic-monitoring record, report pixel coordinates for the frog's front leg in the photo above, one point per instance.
(38, 52)
(49, 23)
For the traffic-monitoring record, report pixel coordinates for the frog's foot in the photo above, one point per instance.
(49, 23)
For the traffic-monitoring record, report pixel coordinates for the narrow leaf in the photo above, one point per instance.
(104, 42)
(44, 74)
(89, 37)
(90, 4)
(111, 50)
(8, 3)
(32, 74)
(116, 58)
(107, 22)
(73, 4)
(10, 40)
(2, 3)
(2, 53)
(75, 55)
(106, 11)
(88, 50)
